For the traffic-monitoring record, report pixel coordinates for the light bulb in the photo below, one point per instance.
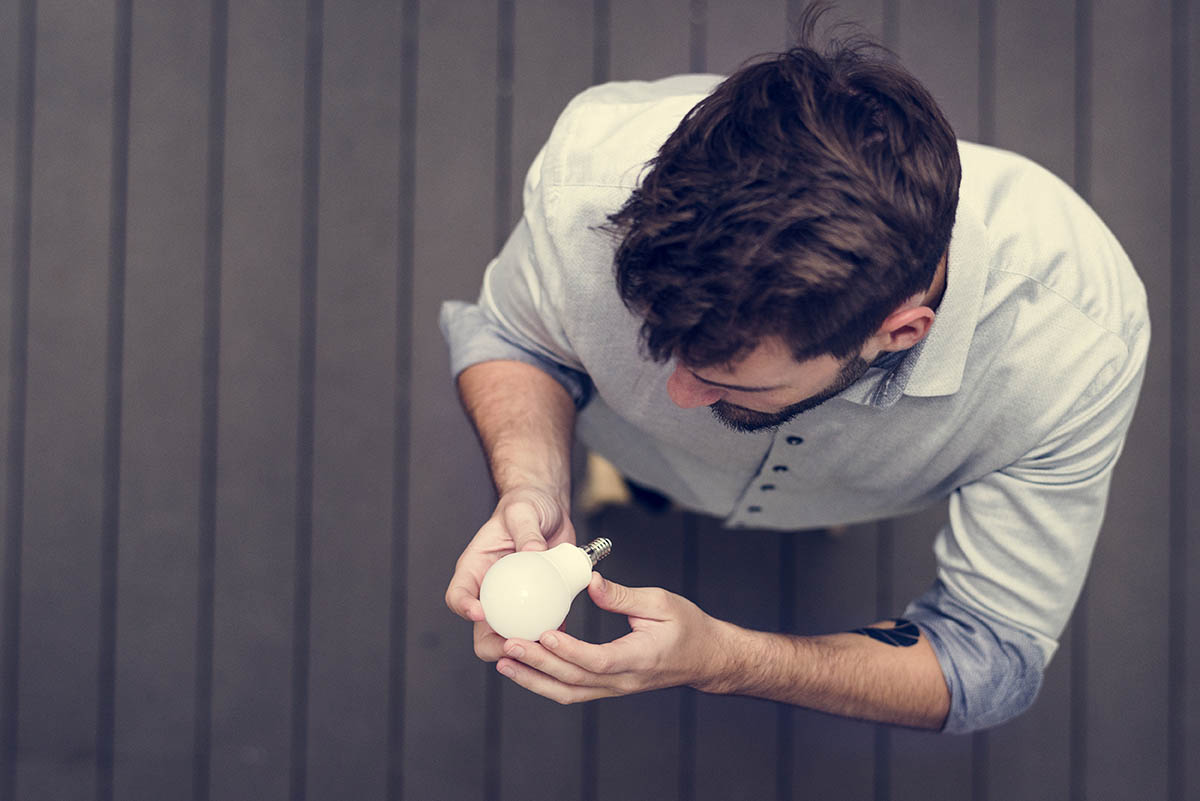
(528, 593)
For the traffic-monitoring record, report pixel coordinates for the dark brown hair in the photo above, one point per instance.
(807, 197)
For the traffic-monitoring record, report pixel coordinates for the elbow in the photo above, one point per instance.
(993, 671)
(994, 690)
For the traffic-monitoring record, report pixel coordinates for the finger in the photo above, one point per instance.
(489, 646)
(646, 602)
(547, 686)
(463, 599)
(604, 659)
(521, 520)
(539, 658)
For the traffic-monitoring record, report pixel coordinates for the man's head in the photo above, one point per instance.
(768, 386)
(803, 203)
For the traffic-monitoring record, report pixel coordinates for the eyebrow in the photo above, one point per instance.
(734, 386)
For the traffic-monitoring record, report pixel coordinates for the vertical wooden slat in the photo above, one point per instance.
(160, 447)
(402, 404)
(18, 35)
(206, 534)
(113, 399)
(449, 487)
(1028, 757)
(1127, 611)
(60, 562)
(1186, 254)
(649, 38)
(355, 328)
(551, 50)
(737, 33)
(259, 364)
(310, 202)
(1183, 713)
(938, 42)
(9, 64)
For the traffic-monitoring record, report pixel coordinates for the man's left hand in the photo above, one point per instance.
(672, 643)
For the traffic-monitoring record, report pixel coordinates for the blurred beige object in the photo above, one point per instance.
(602, 486)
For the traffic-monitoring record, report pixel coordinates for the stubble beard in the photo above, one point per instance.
(748, 421)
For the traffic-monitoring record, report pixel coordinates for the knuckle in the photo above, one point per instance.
(660, 599)
(625, 685)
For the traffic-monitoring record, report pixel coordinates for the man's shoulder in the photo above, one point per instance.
(1041, 234)
(607, 133)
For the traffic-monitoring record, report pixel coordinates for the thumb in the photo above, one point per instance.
(648, 602)
(523, 525)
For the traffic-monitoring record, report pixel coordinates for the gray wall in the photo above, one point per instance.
(236, 478)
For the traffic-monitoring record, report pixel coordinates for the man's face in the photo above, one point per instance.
(765, 389)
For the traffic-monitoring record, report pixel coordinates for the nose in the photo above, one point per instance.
(688, 393)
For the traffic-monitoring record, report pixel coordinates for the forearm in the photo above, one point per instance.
(524, 420)
(843, 674)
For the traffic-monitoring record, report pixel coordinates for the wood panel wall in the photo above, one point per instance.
(236, 478)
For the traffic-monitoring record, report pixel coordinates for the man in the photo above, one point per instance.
(791, 299)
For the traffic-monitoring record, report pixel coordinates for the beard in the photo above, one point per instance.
(747, 421)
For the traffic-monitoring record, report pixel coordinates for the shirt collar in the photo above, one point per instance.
(935, 365)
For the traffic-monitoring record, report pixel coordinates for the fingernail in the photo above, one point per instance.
(516, 651)
(505, 670)
(549, 640)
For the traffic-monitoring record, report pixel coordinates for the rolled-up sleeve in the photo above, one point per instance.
(1013, 558)
(517, 314)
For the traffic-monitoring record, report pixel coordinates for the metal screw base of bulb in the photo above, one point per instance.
(597, 549)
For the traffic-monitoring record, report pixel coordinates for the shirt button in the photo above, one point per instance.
(794, 440)
(767, 487)
(754, 509)
(780, 468)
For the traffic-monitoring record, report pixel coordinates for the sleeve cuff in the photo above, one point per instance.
(473, 338)
(992, 669)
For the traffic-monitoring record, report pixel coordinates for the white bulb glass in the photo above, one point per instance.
(529, 593)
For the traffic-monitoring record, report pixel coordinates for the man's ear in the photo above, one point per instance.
(904, 328)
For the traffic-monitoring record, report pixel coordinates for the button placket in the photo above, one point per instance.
(757, 508)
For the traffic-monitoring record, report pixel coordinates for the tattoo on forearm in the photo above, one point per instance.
(902, 636)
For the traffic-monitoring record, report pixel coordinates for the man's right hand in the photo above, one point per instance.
(526, 519)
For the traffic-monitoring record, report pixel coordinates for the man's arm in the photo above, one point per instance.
(893, 677)
(524, 420)
(847, 674)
